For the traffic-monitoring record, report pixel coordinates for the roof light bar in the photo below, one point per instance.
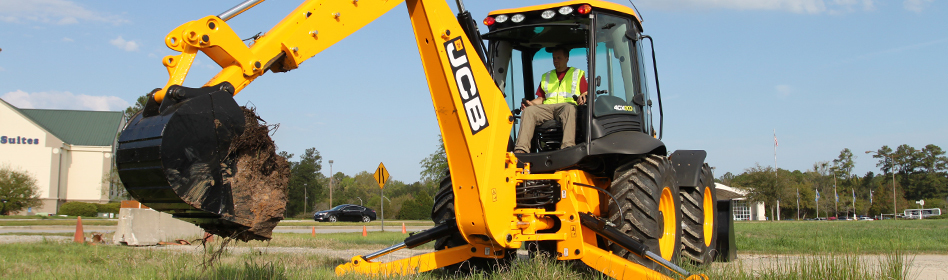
(517, 18)
(501, 18)
(489, 21)
(565, 10)
(548, 14)
(584, 9)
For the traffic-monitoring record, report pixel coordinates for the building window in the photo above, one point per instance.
(741, 211)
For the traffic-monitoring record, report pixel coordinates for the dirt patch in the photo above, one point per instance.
(258, 178)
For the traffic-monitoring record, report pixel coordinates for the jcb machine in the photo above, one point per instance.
(615, 201)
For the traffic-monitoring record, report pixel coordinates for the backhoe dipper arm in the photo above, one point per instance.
(473, 116)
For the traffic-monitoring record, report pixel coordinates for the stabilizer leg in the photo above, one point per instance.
(411, 265)
(617, 267)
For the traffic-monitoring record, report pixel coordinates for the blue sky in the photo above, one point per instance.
(825, 74)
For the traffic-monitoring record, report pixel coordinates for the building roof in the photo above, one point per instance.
(725, 192)
(83, 128)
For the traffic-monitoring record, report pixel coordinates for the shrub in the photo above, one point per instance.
(108, 207)
(417, 209)
(76, 208)
(19, 189)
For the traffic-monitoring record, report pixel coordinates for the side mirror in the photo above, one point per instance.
(632, 35)
(639, 99)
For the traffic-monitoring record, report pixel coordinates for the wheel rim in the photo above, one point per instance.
(667, 240)
(332, 219)
(365, 219)
(708, 216)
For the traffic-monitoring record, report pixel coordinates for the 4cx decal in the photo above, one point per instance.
(624, 108)
(467, 88)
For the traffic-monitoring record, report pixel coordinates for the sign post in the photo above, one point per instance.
(921, 202)
(381, 176)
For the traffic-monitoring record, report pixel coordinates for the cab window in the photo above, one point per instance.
(619, 69)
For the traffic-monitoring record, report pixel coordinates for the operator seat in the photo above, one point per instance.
(548, 135)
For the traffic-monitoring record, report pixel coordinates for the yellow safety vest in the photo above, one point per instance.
(561, 91)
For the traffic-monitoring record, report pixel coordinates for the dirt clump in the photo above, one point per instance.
(258, 178)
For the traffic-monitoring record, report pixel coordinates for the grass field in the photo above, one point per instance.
(843, 237)
(824, 250)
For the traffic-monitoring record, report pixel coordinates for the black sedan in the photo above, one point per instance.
(345, 212)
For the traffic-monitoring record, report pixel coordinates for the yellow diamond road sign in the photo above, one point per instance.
(381, 175)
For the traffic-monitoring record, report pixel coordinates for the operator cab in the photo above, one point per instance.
(604, 41)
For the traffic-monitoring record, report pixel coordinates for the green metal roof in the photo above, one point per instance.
(84, 128)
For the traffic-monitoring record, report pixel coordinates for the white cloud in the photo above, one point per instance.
(2, 69)
(916, 5)
(128, 46)
(67, 39)
(794, 6)
(64, 100)
(783, 90)
(51, 11)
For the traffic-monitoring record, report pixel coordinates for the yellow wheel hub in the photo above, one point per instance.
(666, 242)
(708, 216)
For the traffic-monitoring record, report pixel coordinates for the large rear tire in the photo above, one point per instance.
(442, 211)
(647, 193)
(698, 206)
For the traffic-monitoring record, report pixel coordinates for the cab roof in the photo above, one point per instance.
(594, 3)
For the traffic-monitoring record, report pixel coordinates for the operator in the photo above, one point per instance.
(555, 99)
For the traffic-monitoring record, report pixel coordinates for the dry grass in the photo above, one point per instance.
(55, 260)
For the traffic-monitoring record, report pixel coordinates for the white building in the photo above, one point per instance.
(68, 152)
(744, 210)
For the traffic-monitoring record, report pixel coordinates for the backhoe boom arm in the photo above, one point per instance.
(474, 118)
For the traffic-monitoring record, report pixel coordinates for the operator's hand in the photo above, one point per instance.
(581, 99)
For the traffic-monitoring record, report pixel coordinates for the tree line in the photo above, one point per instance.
(920, 174)
(308, 189)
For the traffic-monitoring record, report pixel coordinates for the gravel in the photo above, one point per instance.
(31, 238)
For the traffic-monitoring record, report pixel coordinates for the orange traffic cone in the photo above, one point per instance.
(403, 229)
(364, 232)
(314, 231)
(79, 237)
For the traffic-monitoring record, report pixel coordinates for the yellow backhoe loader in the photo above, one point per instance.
(617, 201)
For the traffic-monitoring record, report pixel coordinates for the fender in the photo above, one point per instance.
(688, 166)
(619, 143)
(627, 143)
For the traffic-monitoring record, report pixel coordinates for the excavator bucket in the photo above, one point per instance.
(177, 157)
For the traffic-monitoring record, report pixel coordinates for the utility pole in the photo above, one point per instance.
(776, 179)
(330, 184)
(894, 210)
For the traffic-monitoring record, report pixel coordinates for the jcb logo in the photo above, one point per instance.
(476, 118)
